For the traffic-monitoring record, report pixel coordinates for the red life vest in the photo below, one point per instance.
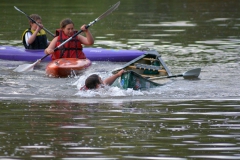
(71, 49)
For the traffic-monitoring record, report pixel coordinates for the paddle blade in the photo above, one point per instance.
(26, 67)
(191, 74)
(194, 73)
(110, 10)
(19, 10)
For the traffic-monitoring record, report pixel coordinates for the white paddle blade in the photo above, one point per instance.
(26, 67)
(110, 10)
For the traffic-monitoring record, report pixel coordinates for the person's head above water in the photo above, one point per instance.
(93, 81)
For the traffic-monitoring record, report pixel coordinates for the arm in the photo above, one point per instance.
(32, 38)
(88, 40)
(109, 81)
(51, 47)
(48, 42)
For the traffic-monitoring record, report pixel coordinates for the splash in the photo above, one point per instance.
(112, 91)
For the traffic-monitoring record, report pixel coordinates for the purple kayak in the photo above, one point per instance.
(94, 54)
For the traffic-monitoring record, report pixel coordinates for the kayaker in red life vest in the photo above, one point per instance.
(35, 37)
(95, 82)
(73, 48)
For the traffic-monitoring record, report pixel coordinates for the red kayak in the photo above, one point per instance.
(66, 67)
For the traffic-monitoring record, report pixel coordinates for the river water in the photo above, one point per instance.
(49, 118)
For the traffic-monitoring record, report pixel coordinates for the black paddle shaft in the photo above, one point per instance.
(69, 39)
(30, 66)
(33, 20)
(178, 75)
(115, 6)
(194, 73)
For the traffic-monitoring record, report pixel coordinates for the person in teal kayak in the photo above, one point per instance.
(95, 82)
(73, 48)
(35, 37)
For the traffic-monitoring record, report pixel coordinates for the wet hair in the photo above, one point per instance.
(35, 17)
(92, 81)
(65, 22)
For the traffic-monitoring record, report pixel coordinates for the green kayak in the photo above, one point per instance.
(149, 71)
(131, 79)
(140, 70)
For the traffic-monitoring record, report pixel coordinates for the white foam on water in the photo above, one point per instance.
(112, 91)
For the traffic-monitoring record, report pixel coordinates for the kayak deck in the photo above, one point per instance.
(66, 67)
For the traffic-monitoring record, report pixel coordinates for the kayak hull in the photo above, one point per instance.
(14, 53)
(66, 67)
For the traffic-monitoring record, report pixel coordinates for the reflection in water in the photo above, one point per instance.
(170, 24)
(169, 122)
(137, 130)
(187, 34)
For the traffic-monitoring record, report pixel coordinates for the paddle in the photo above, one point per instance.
(29, 67)
(194, 73)
(34, 21)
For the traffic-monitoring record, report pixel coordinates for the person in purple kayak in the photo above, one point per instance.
(35, 37)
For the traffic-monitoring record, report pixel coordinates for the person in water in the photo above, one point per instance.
(73, 48)
(35, 37)
(95, 82)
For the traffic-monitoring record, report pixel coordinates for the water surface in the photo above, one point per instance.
(49, 118)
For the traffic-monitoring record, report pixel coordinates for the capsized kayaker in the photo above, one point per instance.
(95, 82)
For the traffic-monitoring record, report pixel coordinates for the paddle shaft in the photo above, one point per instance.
(28, 67)
(87, 26)
(172, 76)
(69, 39)
(33, 21)
(194, 73)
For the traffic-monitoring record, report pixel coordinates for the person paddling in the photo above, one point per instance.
(35, 37)
(73, 48)
(95, 82)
